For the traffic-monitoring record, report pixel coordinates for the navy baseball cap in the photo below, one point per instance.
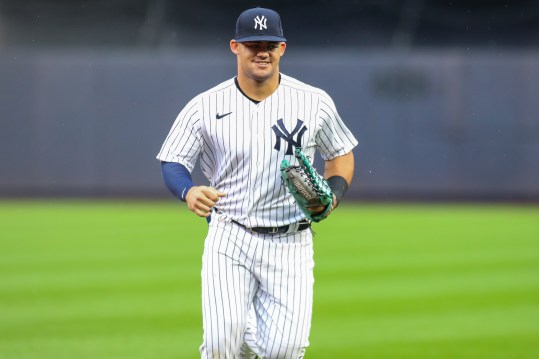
(259, 24)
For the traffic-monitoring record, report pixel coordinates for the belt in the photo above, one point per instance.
(299, 226)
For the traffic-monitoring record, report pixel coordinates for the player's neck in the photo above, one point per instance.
(258, 90)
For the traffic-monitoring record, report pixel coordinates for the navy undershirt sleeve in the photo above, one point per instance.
(177, 178)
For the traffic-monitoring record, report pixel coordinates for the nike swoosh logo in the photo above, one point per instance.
(221, 116)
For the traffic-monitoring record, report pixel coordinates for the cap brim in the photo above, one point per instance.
(261, 38)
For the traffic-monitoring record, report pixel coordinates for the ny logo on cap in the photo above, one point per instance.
(261, 21)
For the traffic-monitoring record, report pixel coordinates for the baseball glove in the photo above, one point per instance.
(307, 187)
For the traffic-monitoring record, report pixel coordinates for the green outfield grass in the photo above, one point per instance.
(120, 280)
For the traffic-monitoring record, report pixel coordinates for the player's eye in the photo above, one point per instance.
(260, 47)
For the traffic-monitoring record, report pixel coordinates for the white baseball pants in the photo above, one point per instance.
(257, 292)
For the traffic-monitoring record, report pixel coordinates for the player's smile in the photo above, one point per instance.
(262, 63)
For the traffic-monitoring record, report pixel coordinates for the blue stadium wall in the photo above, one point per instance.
(439, 124)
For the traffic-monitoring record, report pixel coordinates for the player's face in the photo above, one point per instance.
(258, 60)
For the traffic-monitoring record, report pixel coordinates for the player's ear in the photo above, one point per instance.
(234, 46)
(282, 47)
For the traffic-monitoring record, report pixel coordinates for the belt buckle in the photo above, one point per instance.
(274, 230)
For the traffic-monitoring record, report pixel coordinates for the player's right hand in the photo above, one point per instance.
(201, 199)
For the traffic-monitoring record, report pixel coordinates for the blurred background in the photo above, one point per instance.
(442, 95)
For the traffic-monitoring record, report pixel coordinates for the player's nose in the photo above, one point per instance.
(262, 53)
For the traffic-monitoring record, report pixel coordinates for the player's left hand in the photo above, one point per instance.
(311, 192)
(316, 210)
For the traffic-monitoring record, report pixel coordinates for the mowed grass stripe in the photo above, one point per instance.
(173, 344)
(122, 280)
(73, 276)
(74, 272)
(418, 275)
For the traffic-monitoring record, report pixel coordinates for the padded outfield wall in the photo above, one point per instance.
(431, 124)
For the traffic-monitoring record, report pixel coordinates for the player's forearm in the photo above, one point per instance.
(338, 173)
(342, 166)
(177, 179)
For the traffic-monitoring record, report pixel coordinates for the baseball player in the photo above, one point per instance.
(257, 265)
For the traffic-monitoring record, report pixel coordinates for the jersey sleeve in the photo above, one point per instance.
(334, 138)
(184, 141)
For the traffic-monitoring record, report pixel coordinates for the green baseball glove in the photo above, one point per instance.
(309, 189)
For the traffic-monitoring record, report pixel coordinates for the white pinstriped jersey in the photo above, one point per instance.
(240, 145)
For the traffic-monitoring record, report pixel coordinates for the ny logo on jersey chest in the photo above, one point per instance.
(281, 133)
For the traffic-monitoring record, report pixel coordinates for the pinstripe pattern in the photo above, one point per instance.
(256, 289)
(266, 277)
(237, 153)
